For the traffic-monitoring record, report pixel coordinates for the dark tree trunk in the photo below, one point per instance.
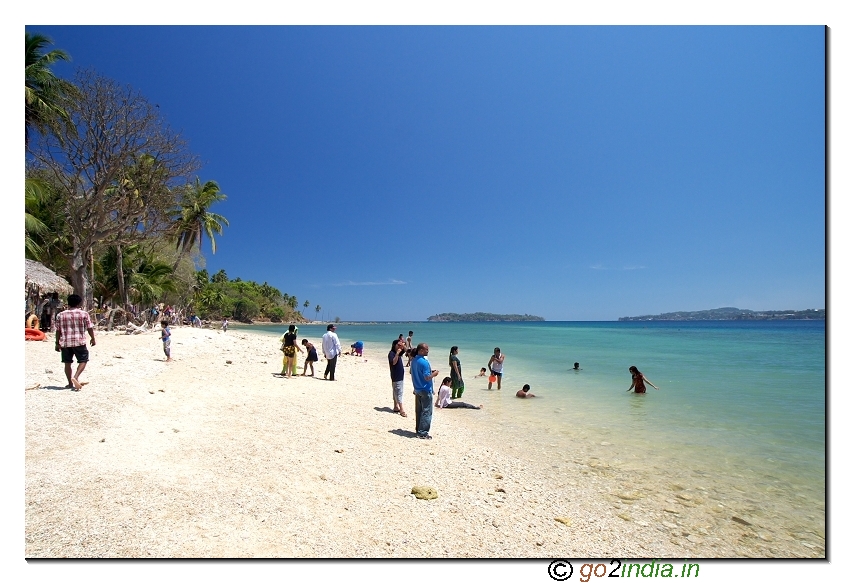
(80, 276)
(119, 266)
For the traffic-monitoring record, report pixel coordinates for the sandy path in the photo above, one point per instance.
(201, 458)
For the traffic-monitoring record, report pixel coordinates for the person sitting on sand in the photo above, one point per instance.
(482, 372)
(638, 380)
(524, 393)
(444, 398)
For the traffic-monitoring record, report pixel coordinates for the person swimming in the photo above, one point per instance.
(524, 393)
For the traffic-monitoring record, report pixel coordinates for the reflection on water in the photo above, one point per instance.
(637, 408)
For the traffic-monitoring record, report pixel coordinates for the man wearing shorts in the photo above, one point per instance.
(396, 361)
(71, 328)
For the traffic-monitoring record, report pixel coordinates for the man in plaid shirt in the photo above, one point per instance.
(71, 328)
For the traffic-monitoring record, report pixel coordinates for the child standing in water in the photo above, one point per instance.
(166, 340)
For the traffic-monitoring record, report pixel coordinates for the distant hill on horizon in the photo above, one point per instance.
(734, 314)
(484, 317)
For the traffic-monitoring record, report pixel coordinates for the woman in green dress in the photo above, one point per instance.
(457, 377)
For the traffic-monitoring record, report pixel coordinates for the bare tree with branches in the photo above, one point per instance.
(116, 173)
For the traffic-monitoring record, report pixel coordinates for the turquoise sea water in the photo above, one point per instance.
(743, 402)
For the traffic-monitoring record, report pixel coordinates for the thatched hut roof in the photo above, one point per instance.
(38, 276)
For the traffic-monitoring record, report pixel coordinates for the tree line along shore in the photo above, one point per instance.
(484, 317)
(733, 314)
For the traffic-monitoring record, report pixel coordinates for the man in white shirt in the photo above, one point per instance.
(331, 349)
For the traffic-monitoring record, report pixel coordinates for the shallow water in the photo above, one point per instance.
(739, 421)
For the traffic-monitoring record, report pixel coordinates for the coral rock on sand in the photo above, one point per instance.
(424, 492)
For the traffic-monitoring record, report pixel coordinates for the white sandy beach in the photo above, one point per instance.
(212, 456)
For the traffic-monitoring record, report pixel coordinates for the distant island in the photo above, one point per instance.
(484, 317)
(733, 314)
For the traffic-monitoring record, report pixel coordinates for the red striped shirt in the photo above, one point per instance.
(72, 325)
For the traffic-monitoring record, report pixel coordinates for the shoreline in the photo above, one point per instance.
(204, 458)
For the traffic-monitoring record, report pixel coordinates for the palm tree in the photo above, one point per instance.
(46, 95)
(45, 236)
(210, 297)
(318, 308)
(148, 278)
(193, 218)
(152, 280)
(34, 194)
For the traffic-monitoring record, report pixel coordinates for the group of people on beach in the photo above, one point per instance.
(72, 325)
(331, 349)
(452, 387)
(422, 376)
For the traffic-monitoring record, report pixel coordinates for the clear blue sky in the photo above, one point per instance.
(576, 173)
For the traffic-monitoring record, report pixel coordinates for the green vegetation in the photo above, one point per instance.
(484, 317)
(47, 96)
(113, 201)
(192, 217)
(246, 301)
(733, 314)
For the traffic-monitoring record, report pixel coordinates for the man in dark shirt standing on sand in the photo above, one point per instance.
(71, 328)
(397, 375)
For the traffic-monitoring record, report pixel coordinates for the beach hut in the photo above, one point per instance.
(40, 281)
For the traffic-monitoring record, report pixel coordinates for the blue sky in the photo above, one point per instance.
(576, 173)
